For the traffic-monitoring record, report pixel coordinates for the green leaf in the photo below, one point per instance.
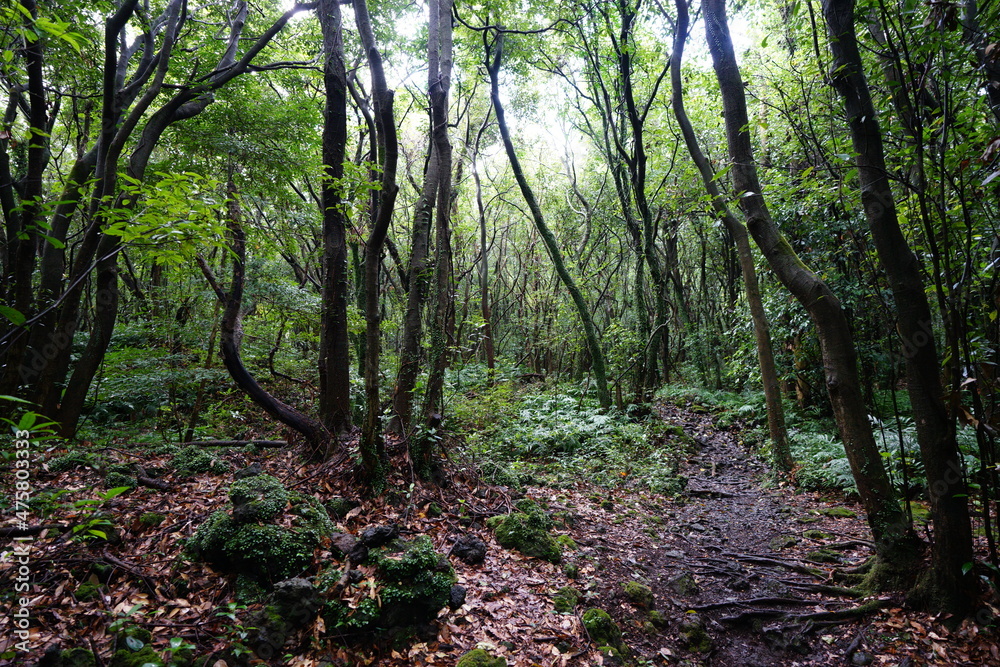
(134, 643)
(13, 315)
(966, 568)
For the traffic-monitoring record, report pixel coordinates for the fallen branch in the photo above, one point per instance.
(152, 483)
(131, 569)
(27, 531)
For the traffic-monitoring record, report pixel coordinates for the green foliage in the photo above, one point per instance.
(478, 657)
(523, 532)
(71, 461)
(115, 479)
(556, 438)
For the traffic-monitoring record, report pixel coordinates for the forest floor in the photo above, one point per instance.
(752, 566)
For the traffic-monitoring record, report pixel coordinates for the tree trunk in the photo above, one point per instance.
(373, 457)
(231, 333)
(889, 527)
(781, 454)
(334, 345)
(583, 311)
(948, 587)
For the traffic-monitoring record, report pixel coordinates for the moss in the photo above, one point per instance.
(783, 542)
(434, 511)
(823, 556)
(639, 594)
(129, 658)
(607, 505)
(77, 657)
(248, 590)
(310, 516)
(114, 480)
(571, 570)
(151, 519)
(566, 542)
(258, 498)
(523, 533)
(339, 507)
(412, 582)
(478, 657)
(70, 461)
(602, 630)
(565, 599)
(838, 512)
(193, 460)
(87, 591)
(815, 535)
(268, 551)
(692, 629)
(657, 618)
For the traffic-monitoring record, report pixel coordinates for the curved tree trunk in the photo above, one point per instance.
(372, 446)
(889, 527)
(949, 588)
(231, 333)
(583, 311)
(781, 454)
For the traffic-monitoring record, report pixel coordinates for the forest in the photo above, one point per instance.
(503, 332)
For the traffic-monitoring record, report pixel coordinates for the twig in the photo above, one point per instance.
(131, 569)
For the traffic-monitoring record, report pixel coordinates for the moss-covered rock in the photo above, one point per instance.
(412, 583)
(258, 498)
(838, 512)
(478, 657)
(237, 543)
(693, 634)
(524, 533)
(571, 570)
(193, 460)
(657, 618)
(783, 542)
(128, 658)
(73, 657)
(151, 519)
(70, 461)
(639, 594)
(823, 556)
(602, 630)
(684, 584)
(565, 599)
(815, 535)
(87, 591)
(537, 517)
(566, 542)
(113, 480)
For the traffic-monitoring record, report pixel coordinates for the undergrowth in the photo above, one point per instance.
(558, 435)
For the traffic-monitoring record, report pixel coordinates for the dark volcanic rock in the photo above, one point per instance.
(470, 550)
(376, 536)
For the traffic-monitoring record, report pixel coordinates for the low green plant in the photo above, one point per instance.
(94, 523)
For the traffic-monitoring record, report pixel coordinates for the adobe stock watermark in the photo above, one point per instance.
(20, 554)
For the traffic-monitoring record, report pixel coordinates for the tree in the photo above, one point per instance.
(493, 42)
(782, 456)
(951, 585)
(894, 544)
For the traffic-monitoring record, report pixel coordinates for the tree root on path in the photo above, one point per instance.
(824, 617)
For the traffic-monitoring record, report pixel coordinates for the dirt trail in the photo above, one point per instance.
(731, 557)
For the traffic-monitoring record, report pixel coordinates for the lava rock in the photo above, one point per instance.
(456, 597)
(470, 550)
(349, 547)
(377, 536)
(250, 471)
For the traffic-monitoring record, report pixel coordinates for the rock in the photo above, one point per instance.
(610, 656)
(838, 512)
(684, 585)
(469, 549)
(602, 630)
(128, 658)
(692, 630)
(251, 470)
(258, 498)
(478, 657)
(783, 542)
(565, 599)
(815, 535)
(377, 536)
(639, 594)
(571, 570)
(297, 601)
(339, 507)
(657, 618)
(522, 532)
(862, 658)
(823, 556)
(73, 657)
(456, 597)
(348, 546)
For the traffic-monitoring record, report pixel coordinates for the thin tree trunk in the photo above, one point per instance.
(781, 454)
(948, 587)
(889, 527)
(373, 457)
(334, 350)
(494, 55)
